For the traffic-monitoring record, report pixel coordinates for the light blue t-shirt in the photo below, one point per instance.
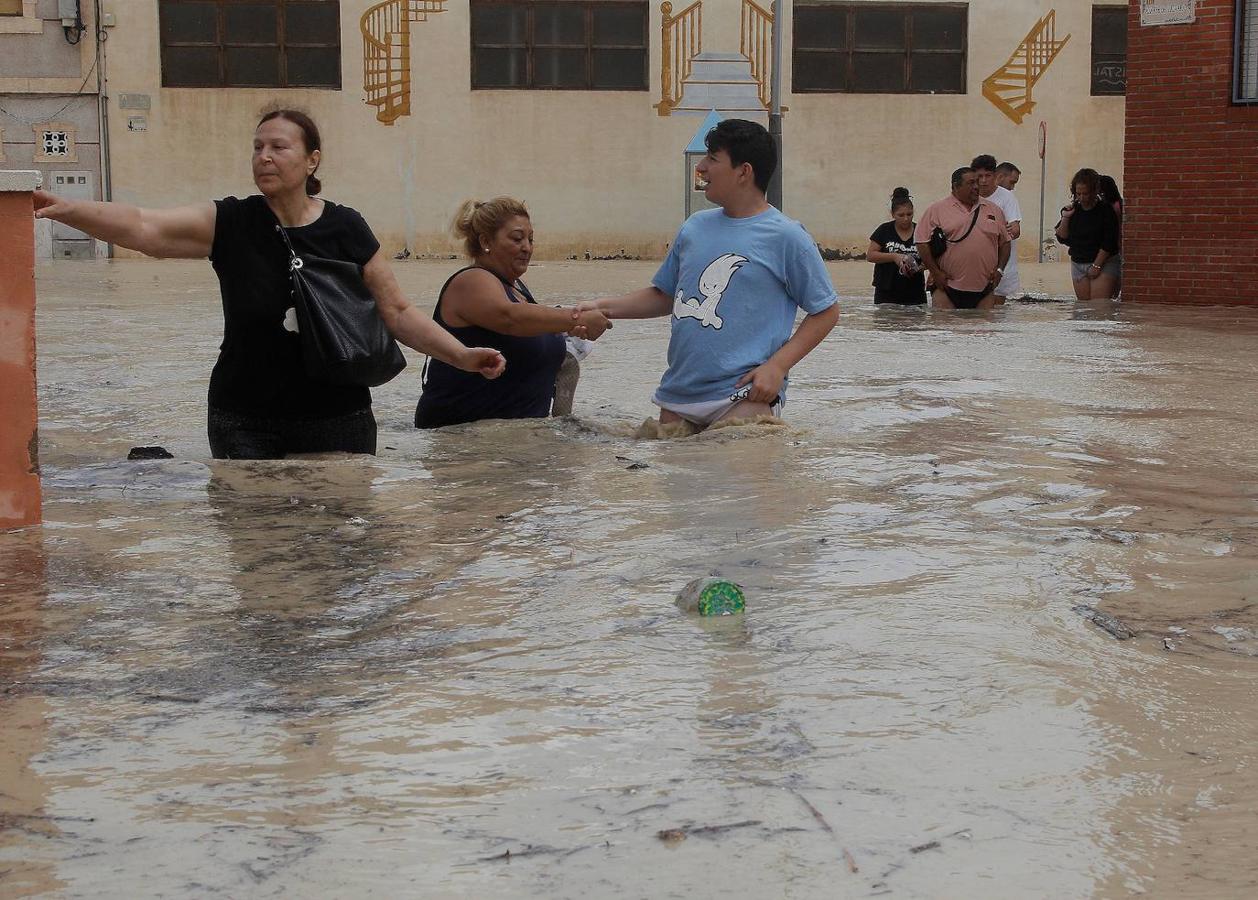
(736, 285)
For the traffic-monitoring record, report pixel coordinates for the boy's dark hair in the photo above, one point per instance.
(959, 175)
(1006, 167)
(746, 142)
(984, 161)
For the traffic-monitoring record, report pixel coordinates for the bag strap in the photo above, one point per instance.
(294, 261)
(974, 221)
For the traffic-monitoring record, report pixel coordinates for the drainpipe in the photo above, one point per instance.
(775, 104)
(102, 103)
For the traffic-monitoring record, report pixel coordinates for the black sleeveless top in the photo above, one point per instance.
(525, 390)
(259, 370)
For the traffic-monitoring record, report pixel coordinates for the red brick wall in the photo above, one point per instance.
(1190, 230)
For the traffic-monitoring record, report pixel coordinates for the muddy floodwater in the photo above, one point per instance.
(456, 669)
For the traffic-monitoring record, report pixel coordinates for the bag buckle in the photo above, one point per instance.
(295, 263)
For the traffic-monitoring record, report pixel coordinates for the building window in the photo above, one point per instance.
(880, 48)
(251, 43)
(1246, 51)
(1109, 51)
(20, 17)
(576, 45)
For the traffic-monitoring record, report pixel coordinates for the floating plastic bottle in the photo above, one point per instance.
(712, 596)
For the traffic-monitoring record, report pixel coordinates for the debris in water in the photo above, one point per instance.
(712, 596)
(150, 453)
(1105, 622)
(676, 835)
(922, 848)
(636, 465)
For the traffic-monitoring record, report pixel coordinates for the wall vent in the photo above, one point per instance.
(55, 142)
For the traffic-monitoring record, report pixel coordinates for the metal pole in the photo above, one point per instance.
(1043, 170)
(775, 104)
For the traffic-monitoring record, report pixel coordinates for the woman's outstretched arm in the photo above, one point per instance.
(185, 232)
(418, 331)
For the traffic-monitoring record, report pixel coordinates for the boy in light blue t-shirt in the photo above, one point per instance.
(733, 281)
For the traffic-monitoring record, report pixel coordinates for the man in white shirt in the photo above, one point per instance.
(989, 187)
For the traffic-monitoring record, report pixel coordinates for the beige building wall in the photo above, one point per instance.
(49, 81)
(601, 171)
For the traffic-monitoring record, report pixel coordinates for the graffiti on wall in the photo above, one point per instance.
(386, 29)
(1009, 88)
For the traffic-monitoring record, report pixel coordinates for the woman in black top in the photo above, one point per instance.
(1089, 227)
(487, 302)
(898, 273)
(262, 405)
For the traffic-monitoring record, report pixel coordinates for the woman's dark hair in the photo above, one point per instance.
(309, 137)
(746, 142)
(1109, 189)
(900, 197)
(1086, 177)
(477, 222)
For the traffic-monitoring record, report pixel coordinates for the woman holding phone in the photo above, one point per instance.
(1089, 227)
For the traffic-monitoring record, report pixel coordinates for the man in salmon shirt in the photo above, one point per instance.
(978, 245)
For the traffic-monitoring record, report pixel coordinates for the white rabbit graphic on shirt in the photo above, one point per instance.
(712, 284)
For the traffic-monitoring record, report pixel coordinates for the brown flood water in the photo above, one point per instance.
(456, 670)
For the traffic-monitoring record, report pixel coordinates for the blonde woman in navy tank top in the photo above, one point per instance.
(487, 299)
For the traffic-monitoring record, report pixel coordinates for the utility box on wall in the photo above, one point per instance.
(67, 242)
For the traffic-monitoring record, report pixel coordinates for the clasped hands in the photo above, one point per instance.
(589, 322)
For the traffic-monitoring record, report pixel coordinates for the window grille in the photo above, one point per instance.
(879, 48)
(577, 45)
(55, 143)
(1109, 51)
(251, 43)
(1246, 90)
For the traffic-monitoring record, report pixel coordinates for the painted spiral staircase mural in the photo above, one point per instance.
(1009, 87)
(386, 29)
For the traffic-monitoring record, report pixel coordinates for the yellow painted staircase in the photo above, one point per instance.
(386, 29)
(1009, 87)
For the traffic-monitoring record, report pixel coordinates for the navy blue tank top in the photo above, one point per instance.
(525, 390)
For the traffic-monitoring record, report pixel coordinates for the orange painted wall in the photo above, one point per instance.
(19, 461)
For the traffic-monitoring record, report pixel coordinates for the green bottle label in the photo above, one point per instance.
(721, 598)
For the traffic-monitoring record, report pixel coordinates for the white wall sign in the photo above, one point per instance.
(1168, 12)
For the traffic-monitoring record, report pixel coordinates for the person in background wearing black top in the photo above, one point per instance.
(487, 303)
(262, 405)
(898, 273)
(1107, 190)
(1089, 227)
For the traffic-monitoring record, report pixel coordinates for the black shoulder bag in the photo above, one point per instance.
(939, 239)
(343, 339)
